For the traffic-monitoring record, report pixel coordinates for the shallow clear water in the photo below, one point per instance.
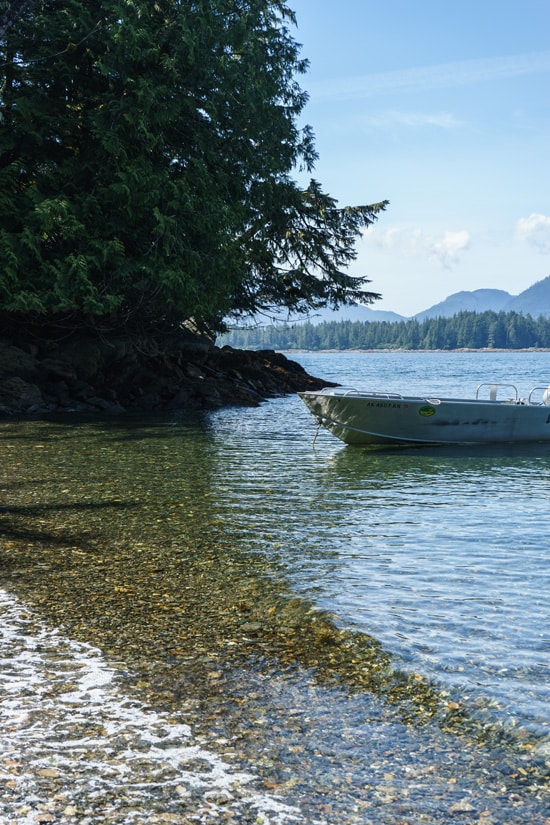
(442, 554)
(62, 706)
(177, 548)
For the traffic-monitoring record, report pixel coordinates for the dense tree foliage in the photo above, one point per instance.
(147, 155)
(466, 330)
(10, 11)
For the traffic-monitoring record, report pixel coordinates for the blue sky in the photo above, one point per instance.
(443, 108)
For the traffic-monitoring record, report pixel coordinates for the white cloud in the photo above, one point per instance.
(444, 249)
(535, 230)
(412, 120)
(444, 75)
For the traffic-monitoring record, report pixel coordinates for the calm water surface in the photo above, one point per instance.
(197, 552)
(440, 553)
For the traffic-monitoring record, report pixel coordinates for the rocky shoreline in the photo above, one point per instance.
(121, 374)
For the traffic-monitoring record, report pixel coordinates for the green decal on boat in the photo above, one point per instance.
(426, 411)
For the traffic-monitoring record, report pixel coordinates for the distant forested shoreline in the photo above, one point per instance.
(466, 330)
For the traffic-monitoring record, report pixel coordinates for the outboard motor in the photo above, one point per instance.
(546, 397)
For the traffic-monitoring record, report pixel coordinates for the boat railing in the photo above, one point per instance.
(387, 395)
(338, 390)
(494, 388)
(545, 401)
(345, 391)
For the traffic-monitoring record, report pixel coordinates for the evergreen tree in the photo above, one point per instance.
(469, 330)
(10, 10)
(146, 155)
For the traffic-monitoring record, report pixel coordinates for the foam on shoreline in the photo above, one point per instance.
(75, 748)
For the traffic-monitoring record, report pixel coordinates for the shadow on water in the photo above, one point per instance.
(364, 462)
(29, 522)
(166, 589)
(498, 451)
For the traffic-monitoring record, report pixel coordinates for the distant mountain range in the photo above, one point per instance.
(535, 301)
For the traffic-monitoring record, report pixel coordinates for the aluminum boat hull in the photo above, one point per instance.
(377, 418)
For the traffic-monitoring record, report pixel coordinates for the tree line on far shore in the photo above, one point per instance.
(466, 330)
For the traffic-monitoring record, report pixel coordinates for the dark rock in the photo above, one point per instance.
(17, 395)
(16, 361)
(87, 373)
(58, 368)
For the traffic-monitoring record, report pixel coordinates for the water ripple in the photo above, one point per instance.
(75, 748)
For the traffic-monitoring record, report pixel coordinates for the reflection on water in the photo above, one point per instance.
(464, 571)
(179, 547)
(463, 451)
(131, 527)
(436, 553)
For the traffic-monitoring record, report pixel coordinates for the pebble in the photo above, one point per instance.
(75, 748)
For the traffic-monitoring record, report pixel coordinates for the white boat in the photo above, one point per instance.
(362, 417)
